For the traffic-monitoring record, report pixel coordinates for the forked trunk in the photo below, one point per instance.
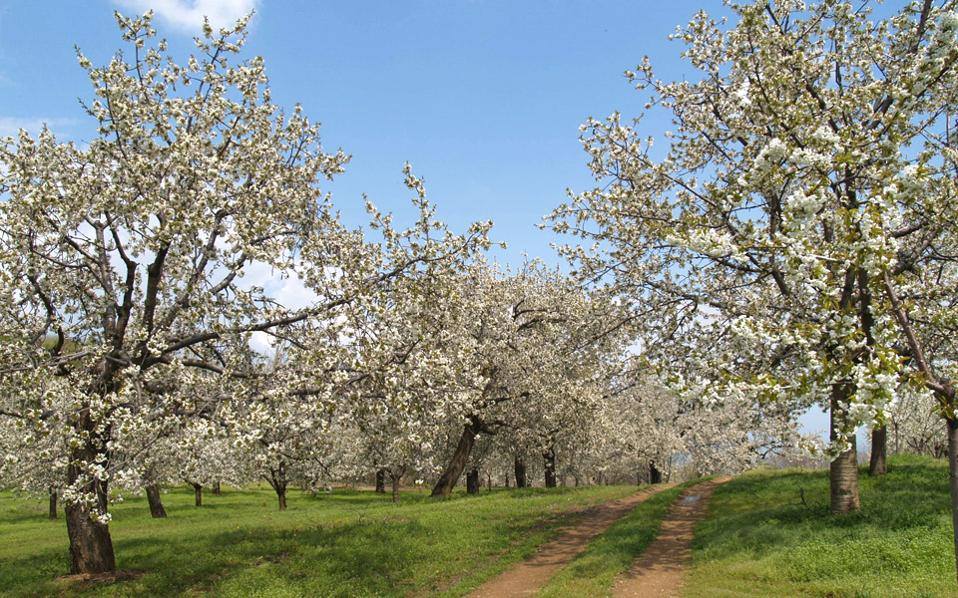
(843, 470)
(549, 460)
(655, 476)
(472, 481)
(447, 481)
(877, 464)
(198, 494)
(381, 481)
(277, 479)
(520, 471)
(952, 427)
(53, 502)
(156, 505)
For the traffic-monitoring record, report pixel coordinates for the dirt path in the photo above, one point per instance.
(528, 577)
(660, 570)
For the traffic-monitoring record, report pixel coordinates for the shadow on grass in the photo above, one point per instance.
(763, 512)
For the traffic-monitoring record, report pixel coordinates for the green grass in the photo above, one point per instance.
(760, 540)
(344, 544)
(593, 572)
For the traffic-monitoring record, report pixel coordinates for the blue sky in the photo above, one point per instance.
(483, 97)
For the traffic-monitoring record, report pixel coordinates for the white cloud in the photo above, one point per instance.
(188, 14)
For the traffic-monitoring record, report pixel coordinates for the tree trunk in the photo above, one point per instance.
(508, 481)
(277, 479)
(549, 459)
(198, 494)
(843, 471)
(952, 427)
(216, 488)
(472, 481)
(489, 481)
(156, 505)
(395, 480)
(381, 481)
(91, 548)
(457, 463)
(877, 464)
(53, 502)
(655, 476)
(520, 471)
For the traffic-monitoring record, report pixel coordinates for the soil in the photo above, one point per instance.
(660, 570)
(529, 576)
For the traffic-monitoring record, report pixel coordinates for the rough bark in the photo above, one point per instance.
(91, 548)
(520, 470)
(156, 505)
(447, 481)
(472, 481)
(952, 428)
(395, 486)
(843, 470)
(198, 494)
(549, 460)
(53, 502)
(655, 476)
(381, 481)
(277, 479)
(877, 464)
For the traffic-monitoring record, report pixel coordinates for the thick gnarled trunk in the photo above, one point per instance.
(877, 463)
(655, 476)
(447, 481)
(519, 467)
(156, 504)
(91, 548)
(472, 481)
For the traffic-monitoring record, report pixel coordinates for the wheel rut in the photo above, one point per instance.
(528, 577)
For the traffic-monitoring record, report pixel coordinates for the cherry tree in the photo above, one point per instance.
(764, 213)
(123, 261)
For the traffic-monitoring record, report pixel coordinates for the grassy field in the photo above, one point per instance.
(343, 544)
(761, 540)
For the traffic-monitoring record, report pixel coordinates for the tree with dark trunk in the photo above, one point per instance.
(877, 464)
(216, 488)
(277, 479)
(457, 463)
(197, 494)
(91, 548)
(472, 481)
(549, 460)
(519, 465)
(655, 476)
(381, 481)
(153, 498)
(53, 502)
